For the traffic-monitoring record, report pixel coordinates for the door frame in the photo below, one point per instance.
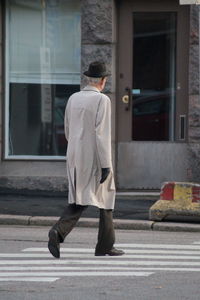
(125, 63)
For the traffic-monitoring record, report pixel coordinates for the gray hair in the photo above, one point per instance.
(94, 80)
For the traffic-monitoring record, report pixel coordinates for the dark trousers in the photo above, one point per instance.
(70, 216)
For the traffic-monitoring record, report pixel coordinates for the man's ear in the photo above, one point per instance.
(103, 80)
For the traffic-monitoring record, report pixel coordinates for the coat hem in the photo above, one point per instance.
(94, 205)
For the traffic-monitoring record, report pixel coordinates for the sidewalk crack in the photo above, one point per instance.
(152, 225)
(29, 220)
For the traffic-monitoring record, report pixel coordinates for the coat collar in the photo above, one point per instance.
(91, 88)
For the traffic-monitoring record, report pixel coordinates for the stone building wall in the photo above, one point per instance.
(1, 91)
(99, 43)
(194, 98)
(98, 40)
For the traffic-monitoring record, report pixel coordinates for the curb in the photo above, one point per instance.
(94, 223)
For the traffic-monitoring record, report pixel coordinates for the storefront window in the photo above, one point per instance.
(42, 71)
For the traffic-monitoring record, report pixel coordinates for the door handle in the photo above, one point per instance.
(126, 99)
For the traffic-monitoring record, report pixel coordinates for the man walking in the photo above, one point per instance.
(89, 163)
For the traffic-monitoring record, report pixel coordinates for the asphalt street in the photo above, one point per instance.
(157, 265)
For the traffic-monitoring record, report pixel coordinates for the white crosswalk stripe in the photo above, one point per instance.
(132, 251)
(194, 246)
(40, 279)
(79, 255)
(37, 264)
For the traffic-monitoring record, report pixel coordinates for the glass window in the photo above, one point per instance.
(154, 75)
(42, 71)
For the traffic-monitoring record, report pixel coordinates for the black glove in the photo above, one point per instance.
(104, 174)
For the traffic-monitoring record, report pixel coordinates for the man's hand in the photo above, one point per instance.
(104, 174)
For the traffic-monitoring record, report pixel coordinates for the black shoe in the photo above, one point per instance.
(112, 252)
(54, 243)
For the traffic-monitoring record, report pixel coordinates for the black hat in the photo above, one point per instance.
(97, 70)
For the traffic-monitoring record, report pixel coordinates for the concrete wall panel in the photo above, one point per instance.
(134, 168)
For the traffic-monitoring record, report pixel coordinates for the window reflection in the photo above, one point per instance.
(154, 59)
(33, 132)
(151, 117)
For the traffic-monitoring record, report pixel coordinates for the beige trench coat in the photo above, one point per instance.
(88, 131)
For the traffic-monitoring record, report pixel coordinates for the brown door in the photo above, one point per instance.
(152, 93)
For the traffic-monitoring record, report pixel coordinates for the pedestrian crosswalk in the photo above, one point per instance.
(143, 260)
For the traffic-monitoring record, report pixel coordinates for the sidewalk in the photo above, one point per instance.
(131, 212)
